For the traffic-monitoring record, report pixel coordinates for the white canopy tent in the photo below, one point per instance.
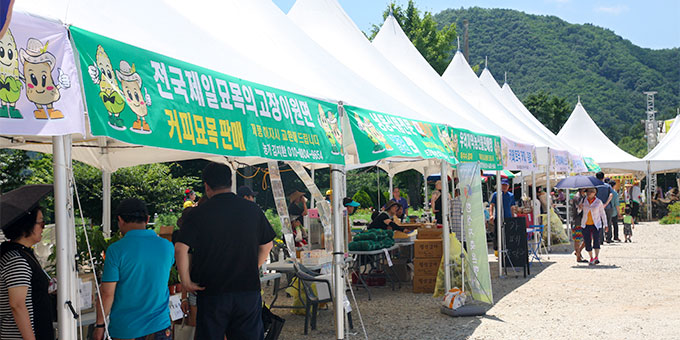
(665, 157)
(581, 132)
(327, 23)
(490, 84)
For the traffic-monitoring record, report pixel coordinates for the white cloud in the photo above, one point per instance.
(615, 10)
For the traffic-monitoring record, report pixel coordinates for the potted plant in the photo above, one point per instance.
(173, 280)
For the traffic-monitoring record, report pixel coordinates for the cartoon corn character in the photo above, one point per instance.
(373, 134)
(40, 87)
(326, 125)
(102, 74)
(337, 134)
(131, 84)
(10, 83)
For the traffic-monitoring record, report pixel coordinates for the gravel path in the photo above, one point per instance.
(633, 294)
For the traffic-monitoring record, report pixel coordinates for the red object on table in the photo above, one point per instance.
(528, 218)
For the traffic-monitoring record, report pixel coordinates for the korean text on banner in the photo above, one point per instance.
(476, 147)
(380, 135)
(477, 262)
(518, 156)
(144, 98)
(559, 160)
(39, 87)
(577, 164)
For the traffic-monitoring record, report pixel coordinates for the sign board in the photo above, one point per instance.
(144, 98)
(516, 244)
(475, 147)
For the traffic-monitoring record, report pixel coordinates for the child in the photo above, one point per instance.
(628, 222)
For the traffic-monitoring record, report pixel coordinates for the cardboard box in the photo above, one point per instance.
(429, 233)
(424, 284)
(87, 291)
(426, 267)
(424, 249)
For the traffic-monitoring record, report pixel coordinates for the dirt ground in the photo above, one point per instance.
(633, 294)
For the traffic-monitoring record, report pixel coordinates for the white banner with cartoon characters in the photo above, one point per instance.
(518, 156)
(39, 87)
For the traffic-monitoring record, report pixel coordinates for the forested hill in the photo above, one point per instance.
(547, 53)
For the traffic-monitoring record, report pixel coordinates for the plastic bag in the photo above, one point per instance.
(454, 298)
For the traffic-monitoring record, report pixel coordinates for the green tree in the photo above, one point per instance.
(552, 111)
(14, 169)
(435, 43)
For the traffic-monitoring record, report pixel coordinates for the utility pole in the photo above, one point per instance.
(652, 134)
(466, 50)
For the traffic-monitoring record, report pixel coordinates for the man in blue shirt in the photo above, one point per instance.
(508, 203)
(134, 286)
(605, 193)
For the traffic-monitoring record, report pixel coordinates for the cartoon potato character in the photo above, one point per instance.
(446, 139)
(131, 83)
(337, 134)
(10, 83)
(40, 87)
(326, 125)
(374, 135)
(102, 74)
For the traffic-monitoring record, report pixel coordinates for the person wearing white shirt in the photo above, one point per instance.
(594, 218)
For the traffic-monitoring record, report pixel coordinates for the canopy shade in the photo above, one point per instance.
(666, 155)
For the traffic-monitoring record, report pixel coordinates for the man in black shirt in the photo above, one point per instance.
(230, 238)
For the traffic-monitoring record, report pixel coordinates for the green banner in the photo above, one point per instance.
(591, 165)
(477, 147)
(140, 97)
(477, 273)
(380, 135)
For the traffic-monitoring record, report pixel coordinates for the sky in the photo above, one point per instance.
(647, 23)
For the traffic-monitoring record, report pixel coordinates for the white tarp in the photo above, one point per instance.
(39, 87)
(665, 156)
(581, 132)
(328, 25)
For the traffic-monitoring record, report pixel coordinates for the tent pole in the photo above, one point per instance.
(445, 222)
(391, 185)
(377, 172)
(649, 193)
(567, 202)
(65, 264)
(338, 249)
(106, 203)
(425, 201)
(548, 211)
(234, 179)
(534, 200)
(312, 204)
(499, 222)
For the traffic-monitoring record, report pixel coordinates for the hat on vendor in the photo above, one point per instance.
(295, 195)
(36, 53)
(348, 202)
(128, 73)
(505, 181)
(21, 201)
(392, 204)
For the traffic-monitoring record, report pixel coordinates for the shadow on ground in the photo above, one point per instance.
(400, 313)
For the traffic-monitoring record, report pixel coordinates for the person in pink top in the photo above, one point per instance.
(594, 218)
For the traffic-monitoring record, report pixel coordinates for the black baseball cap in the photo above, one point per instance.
(245, 190)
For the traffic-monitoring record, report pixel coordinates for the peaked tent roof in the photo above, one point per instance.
(489, 82)
(327, 23)
(581, 132)
(666, 155)
(460, 76)
(395, 46)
